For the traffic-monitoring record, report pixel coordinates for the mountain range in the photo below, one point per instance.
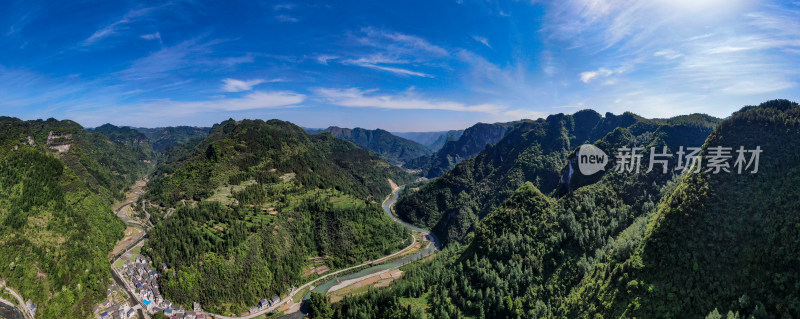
(391, 147)
(242, 209)
(701, 243)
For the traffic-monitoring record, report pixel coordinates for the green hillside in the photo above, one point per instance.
(646, 245)
(535, 151)
(264, 197)
(523, 258)
(720, 243)
(56, 228)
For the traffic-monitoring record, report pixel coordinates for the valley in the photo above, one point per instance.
(259, 219)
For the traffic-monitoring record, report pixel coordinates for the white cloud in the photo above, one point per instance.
(381, 62)
(400, 45)
(408, 100)
(407, 42)
(668, 54)
(684, 55)
(234, 85)
(232, 61)
(394, 70)
(152, 36)
(286, 18)
(283, 6)
(588, 76)
(482, 40)
(395, 52)
(324, 58)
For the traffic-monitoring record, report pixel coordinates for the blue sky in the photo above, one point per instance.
(402, 66)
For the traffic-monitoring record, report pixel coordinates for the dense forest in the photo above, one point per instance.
(696, 245)
(394, 149)
(56, 228)
(534, 151)
(261, 199)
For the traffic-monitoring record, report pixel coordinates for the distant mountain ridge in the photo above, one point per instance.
(473, 140)
(165, 137)
(383, 143)
(433, 140)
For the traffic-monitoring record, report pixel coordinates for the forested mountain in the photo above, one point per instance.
(433, 140)
(535, 151)
(470, 143)
(127, 136)
(630, 245)
(269, 197)
(720, 243)
(56, 227)
(165, 137)
(393, 148)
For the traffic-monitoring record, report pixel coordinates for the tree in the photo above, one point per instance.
(319, 307)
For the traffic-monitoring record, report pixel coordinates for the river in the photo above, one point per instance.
(9, 312)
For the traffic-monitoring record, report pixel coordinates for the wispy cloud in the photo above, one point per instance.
(678, 53)
(394, 70)
(668, 54)
(482, 40)
(588, 76)
(408, 100)
(286, 18)
(115, 27)
(187, 55)
(151, 36)
(393, 52)
(380, 62)
(254, 100)
(234, 85)
(525, 114)
(283, 6)
(324, 58)
(235, 60)
(166, 60)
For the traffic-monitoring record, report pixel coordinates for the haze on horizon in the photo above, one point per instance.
(400, 66)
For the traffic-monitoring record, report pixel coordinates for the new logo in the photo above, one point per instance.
(591, 159)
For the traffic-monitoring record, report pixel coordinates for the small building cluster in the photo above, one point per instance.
(264, 304)
(111, 310)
